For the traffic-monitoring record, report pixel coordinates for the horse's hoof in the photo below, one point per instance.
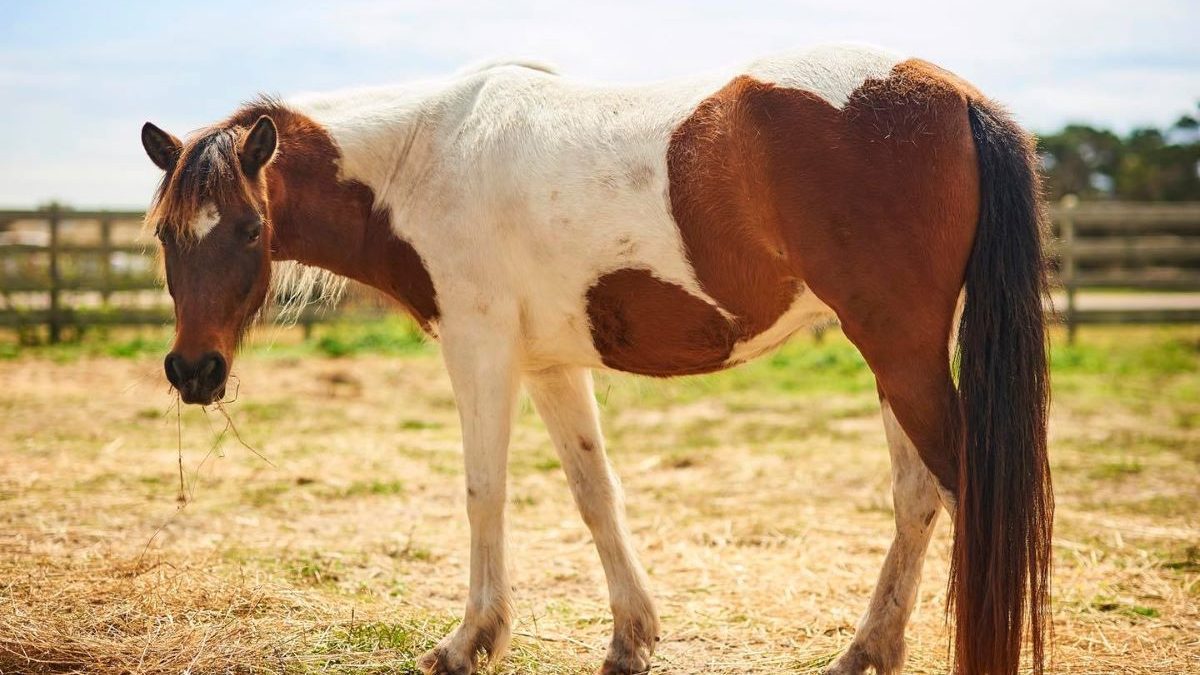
(858, 660)
(630, 652)
(439, 661)
(632, 667)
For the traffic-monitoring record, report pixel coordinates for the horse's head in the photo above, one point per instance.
(210, 213)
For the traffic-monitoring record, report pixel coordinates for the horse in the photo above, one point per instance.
(540, 227)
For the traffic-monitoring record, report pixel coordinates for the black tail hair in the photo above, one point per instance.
(1000, 571)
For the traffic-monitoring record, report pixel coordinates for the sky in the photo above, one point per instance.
(78, 79)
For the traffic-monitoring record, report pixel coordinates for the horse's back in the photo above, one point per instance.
(683, 227)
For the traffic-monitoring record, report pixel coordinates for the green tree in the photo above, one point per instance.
(1147, 164)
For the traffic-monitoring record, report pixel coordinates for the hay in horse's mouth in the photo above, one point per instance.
(186, 495)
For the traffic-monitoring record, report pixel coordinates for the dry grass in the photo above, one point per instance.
(758, 499)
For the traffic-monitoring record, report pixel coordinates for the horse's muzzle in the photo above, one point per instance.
(200, 381)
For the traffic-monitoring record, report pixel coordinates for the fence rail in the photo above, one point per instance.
(1128, 246)
(61, 268)
(35, 259)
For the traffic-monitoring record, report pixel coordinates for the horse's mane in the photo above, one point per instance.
(295, 286)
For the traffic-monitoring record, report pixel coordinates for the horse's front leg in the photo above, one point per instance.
(482, 366)
(564, 399)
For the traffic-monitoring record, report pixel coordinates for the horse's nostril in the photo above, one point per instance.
(212, 370)
(174, 367)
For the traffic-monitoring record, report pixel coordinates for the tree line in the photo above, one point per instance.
(1147, 164)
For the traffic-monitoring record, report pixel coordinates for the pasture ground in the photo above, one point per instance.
(758, 498)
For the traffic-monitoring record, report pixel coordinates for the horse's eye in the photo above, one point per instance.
(254, 232)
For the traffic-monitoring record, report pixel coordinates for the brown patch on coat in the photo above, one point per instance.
(723, 179)
(586, 445)
(873, 207)
(686, 335)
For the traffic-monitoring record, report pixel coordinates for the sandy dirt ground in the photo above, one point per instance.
(759, 501)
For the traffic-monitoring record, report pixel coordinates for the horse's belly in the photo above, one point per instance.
(642, 324)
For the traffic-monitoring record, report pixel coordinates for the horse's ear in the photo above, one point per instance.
(258, 147)
(163, 148)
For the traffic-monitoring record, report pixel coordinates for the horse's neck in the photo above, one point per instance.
(335, 158)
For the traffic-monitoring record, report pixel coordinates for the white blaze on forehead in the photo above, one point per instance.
(206, 220)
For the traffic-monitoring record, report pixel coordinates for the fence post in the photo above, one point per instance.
(55, 320)
(1067, 261)
(106, 260)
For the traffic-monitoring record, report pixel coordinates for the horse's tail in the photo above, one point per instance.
(1000, 572)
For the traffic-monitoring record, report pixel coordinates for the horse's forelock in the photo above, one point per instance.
(206, 173)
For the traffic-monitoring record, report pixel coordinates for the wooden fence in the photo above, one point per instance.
(1128, 255)
(64, 270)
(61, 268)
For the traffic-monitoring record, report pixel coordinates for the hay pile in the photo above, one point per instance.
(154, 617)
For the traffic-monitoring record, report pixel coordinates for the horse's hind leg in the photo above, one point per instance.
(907, 344)
(879, 640)
(564, 399)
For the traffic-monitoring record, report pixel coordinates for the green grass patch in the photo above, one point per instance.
(365, 489)
(376, 635)
(1186, 560)
(137, 346)
(265, 411)
(1129, 351)
(419, 425)
(1131, 610)
(1116, 470)
(266, 495)
(547, 464)
(1141, 367)
(315, 570)
(1163, 506)
(378, 647)
(804, 365)
(394, 335)
(121, 344)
